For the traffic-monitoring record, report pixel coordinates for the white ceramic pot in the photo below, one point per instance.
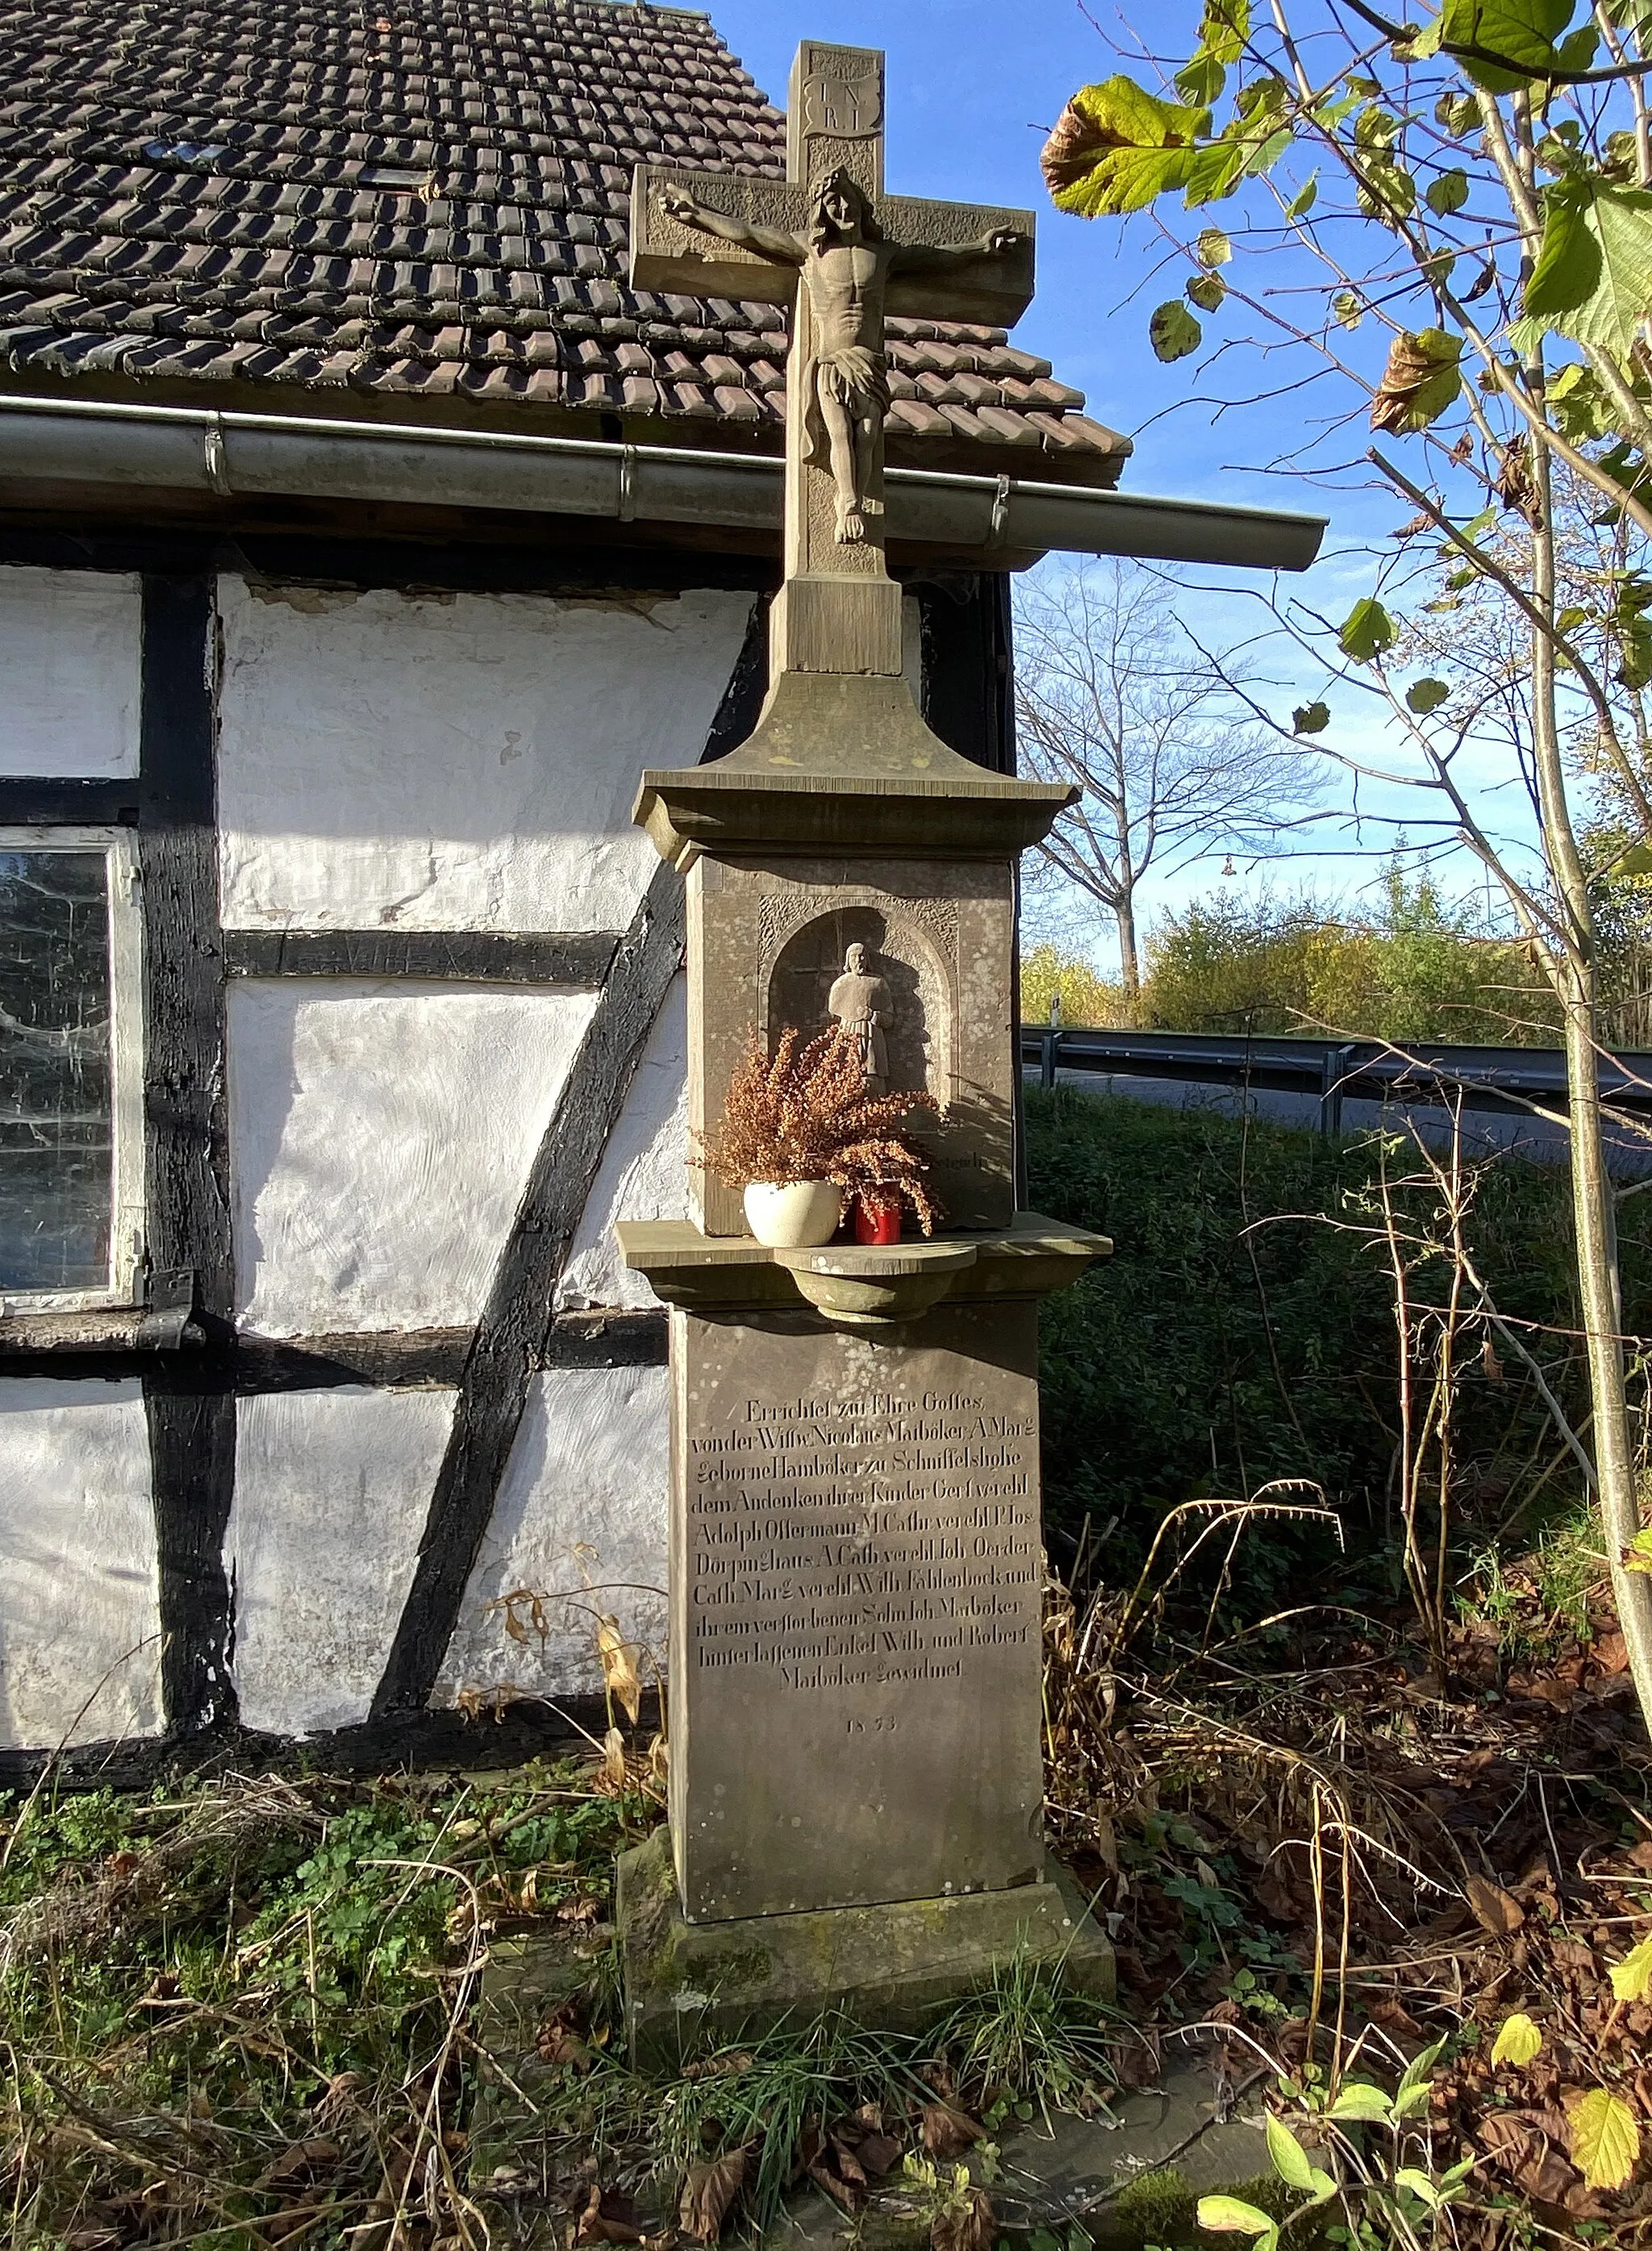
(794, 1215)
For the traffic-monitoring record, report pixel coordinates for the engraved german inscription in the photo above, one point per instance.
(862, 1542)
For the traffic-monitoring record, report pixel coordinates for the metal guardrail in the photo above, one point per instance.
(1334, 1072)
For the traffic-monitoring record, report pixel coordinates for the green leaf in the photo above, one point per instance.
(1348, 309)
(1367, 630)
(1223, 28)
(1173, 332)
(1115, 147)
(1425, 695)
(1632, 1977)
(1290, 2159)
(1457, 112)
(1207, 291)
(1231, 2215)
(1388, 192)
(1605, 2137)
(1311, 719)
(1637, 1556)
(1359, 2099)
(1520, 33)
(1419, 2185)
(1593, 280)
(1447, 194)
(1413, 2092)
(1212, 247)
(1201, 80)
(1517, 2041)
(1304, 199)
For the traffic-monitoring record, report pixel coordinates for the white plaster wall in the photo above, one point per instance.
(331, 1493)
(381, 1136)
(643, 1172)
(70, 643)
(583, 1500)
(79, 1607)
(453, 761)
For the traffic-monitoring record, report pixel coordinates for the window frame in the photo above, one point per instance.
(124, 1286)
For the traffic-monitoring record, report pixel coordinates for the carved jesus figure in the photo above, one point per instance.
(860, 1001)
(845, 264)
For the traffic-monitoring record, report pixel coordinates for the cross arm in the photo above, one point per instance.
(942, 267)
(667, 251)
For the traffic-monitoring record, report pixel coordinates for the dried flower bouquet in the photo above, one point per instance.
(804, 1114)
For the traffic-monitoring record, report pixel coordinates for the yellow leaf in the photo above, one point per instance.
(619, 1667)
(1632, 1977)
(1517, 2041)
(1605, 2139)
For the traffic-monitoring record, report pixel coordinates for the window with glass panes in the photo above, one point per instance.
(70, 1163)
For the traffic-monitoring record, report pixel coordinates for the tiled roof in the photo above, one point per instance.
(426, 197)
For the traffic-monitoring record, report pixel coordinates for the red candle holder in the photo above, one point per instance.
(877, 1219)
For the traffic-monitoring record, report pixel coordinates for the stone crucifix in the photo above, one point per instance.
(827, 241)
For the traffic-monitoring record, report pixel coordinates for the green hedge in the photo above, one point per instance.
(1189, 1364)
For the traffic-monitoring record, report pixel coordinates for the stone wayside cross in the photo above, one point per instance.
(827, 241)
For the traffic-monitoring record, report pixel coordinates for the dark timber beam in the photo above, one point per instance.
(573, 958)
(186, 1140)
(514, 1335)
(28, 804)
(74, 1348)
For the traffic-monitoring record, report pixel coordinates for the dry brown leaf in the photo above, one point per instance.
(966, 2225)
(720, 2067)
(709, 2190)
(304, 2161)
(877, 2152)
(1495, 1910)
(1416, 385)
(848, 2163)
(613, 1759)
(946, 2132)
(607, 2218)
(1611, 1653)
(619, 1674)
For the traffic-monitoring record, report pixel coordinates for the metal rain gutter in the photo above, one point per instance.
(230, 451)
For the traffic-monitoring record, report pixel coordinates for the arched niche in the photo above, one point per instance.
(919, 1037)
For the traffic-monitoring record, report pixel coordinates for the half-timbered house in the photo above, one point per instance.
(363, 536)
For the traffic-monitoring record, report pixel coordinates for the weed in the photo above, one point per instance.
(765, 2098)
(1030, 2040)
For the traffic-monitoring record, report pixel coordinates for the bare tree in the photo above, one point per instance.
(1113, 693)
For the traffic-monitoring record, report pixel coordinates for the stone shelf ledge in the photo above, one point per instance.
(861, 1284)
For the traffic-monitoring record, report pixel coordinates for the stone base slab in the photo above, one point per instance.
(691, 1985)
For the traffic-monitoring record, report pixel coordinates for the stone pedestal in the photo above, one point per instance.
(856, 1596)
(890, 1967)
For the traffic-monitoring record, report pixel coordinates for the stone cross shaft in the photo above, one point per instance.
(828, 242)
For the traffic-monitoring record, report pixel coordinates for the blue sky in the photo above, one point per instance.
(973, 87)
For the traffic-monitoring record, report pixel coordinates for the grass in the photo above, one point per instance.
(245, 2002)
(246, 2012)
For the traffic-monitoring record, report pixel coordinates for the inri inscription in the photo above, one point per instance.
(857, 1611)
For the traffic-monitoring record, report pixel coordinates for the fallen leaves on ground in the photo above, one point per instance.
(709, 2190)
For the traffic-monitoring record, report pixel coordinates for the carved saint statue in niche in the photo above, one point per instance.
(846, 263)
(860, 1002)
